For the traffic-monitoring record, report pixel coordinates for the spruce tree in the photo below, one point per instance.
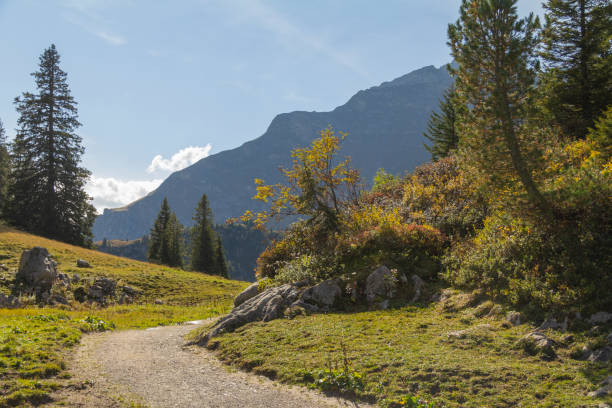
(495, 78)
(158, 244)
(47, 183)
(203, 239)
(174, 237)
(577, 52)
(442, 129)
(4, 169)
(220, 262)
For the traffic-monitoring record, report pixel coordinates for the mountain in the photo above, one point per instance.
(385, 125)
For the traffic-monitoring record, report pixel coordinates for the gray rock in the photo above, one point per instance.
(601, 392)
(552, 323)
(539, 343)
(125, 299)
(600, 317)
(130, 291)
(246, 294)
(159, 302)
(37, 269)
(514, 318)
(266, 306)
(101, 289)
(602, 355)
(568, 339)
(604, 405)
(76, 278)
(419, 285)
(462, 334)
(323, 294)
(380, 283)
(9, 302)
(81, 263)
(4, 268)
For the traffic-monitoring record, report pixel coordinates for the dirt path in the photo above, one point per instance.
(153, 368)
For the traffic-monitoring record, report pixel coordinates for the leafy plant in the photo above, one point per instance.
(95, 324)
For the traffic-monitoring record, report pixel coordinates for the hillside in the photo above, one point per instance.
(385, 125)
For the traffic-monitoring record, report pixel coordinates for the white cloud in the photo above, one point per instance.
(109, 192)
(112, 39)
(185, 157)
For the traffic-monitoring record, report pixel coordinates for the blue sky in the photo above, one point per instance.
(161, 84)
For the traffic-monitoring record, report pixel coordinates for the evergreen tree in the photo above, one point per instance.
(220, 262)
(578, 52)
(442, 129)
(47, 183)
(158, 244)
(4, 169)
(495, 78)
(203, 239)
(174, 238)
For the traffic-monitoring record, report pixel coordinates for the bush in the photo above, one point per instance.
(440, 194)
(407, 247)
(540, 268)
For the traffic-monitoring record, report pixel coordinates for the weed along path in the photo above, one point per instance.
(153, 368)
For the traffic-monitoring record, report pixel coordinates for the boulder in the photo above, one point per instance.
(101, 289)
(9, 302)
(266, 306)
(602, 355)
(246, 294)
(537, 343)
(323, 294)
(605, 389)
(600, 317)
(380, 284)
(514, 318)
(81, 263)
(552, 323)
(419, 285)
(37, 270)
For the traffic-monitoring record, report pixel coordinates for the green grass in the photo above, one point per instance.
(406, 351)
(34, 341)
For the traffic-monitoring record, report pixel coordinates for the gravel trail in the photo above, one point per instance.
(153, 368)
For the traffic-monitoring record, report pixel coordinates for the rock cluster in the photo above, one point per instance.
(252, 305)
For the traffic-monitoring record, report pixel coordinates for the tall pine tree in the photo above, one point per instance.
(4, 169)
(442, 127)
(174, 237)
(158, 244)
(203, 239)
(47, 183)
(495, 78)
(577, 40)
(220, 262)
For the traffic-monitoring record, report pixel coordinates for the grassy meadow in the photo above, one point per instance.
(407, 351)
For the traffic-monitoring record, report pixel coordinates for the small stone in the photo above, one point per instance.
(76, 278)
(4, 268)
(130, 291)
(539, 343)
(514, 318)
(602, 355)
(419, 284)
(81, 263)
(552, 323)
(600, 317)
(159, 302)
(604, 405)
(601, 392)
(568, 339)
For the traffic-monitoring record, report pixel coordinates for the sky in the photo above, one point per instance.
(161, 84)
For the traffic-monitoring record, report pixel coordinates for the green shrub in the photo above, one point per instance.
(331, 380)
(409, 248)
(94, 324)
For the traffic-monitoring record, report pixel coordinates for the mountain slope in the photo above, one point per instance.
(385, 125)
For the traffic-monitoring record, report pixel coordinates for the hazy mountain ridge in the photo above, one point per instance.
(385, 125)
